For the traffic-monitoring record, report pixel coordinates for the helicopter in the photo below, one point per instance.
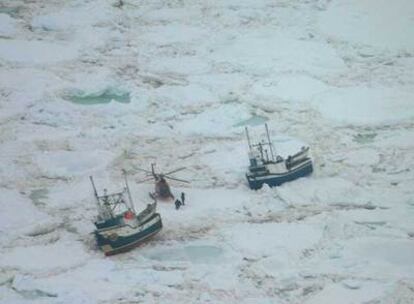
(162, 188)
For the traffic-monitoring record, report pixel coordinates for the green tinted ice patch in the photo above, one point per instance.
(38, 196)
(11, 11)
(364, 138)
(103, 97)
(191, 253)
(255, 120)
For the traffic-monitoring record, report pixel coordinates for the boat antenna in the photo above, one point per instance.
(261, 150)
(127, 188)
(96, 196)
(248, 138)
(270, 143)
(156, 176)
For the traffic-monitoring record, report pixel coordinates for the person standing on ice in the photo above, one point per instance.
(182, 198)
(177, 204)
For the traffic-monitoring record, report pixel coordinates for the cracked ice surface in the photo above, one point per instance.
(335, 75)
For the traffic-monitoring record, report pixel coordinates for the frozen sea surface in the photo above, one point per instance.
(88, 88)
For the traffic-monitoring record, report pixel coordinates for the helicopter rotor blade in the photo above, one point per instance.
(143, 170)
(145, 179)
(173, 171)
(177, 179)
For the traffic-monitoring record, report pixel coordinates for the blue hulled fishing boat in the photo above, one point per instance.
(274, 171)
(118, 227)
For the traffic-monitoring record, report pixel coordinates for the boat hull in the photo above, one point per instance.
(124, 238)
(257, 181)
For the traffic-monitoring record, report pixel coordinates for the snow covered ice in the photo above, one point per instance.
(175, 82)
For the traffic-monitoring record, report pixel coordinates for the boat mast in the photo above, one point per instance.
(129, 193)
(248, 138)
(270, 143)
(96, 196)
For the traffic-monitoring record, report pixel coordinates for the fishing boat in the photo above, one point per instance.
(274, 171)
(118, 226)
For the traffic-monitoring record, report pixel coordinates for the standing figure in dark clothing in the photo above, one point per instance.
(182, 198)
(177, 204)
